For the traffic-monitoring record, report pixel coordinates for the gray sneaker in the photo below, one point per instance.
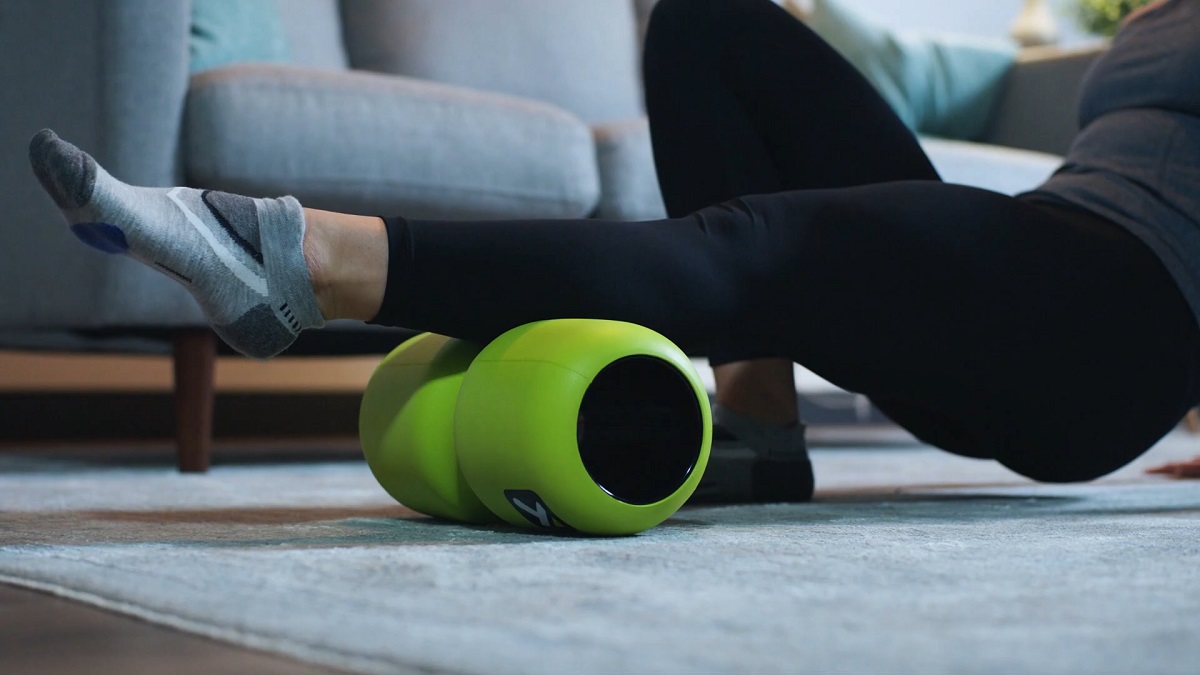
(751, 462)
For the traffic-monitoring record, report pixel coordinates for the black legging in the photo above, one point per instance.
(806, 223)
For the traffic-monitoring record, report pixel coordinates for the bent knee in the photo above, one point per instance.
(675, 25)
(701, 22)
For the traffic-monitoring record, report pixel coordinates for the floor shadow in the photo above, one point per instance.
(54, 459)
(254, 516)
(925, 498)
(383, 526)
(310, 527)
(454, 529)
(894, 506)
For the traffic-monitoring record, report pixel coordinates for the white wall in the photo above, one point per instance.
(984, 18)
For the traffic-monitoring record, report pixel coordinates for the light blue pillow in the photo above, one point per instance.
(235, 31)
(939, 85)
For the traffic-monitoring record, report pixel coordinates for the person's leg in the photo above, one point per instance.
(1043, 414)
(241, 258)
(744, 99)
(955, 306)
(347, 258)
(1041, 336)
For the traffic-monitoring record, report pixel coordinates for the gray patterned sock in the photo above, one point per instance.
(241, 258)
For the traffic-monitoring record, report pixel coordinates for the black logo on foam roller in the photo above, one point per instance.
(530, 505)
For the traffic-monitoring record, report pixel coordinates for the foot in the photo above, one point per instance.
(754, 462)
(241, 258)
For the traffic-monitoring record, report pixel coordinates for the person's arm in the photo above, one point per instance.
(1185, 469)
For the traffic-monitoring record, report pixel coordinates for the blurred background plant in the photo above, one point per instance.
(1102, 17)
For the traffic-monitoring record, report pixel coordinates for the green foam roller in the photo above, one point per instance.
(406, 427)
(579, 425)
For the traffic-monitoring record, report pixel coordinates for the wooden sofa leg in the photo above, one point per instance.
(195, 363)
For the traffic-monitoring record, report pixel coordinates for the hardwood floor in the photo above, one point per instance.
(42, 634)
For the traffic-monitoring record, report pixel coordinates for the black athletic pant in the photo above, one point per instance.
(806, 223)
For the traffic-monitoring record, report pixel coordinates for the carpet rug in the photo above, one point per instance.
(910, 561)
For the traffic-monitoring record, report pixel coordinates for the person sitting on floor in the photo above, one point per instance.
(1055, 331)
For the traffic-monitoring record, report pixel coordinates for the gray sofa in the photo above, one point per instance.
(464, 109)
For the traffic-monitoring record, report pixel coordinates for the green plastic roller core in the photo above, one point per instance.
(406, 427)
(582, 425)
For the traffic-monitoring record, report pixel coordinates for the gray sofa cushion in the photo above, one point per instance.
(628, 182)
(585, 51)
(992, 167)
(375, 144)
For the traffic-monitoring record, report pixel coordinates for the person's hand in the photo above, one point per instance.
(1186, 469)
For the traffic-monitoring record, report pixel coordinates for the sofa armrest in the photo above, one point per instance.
(110, 76)
(1038, 108)
(107, 74)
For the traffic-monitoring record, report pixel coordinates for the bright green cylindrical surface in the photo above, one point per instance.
(406, 426)
(519, 432)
